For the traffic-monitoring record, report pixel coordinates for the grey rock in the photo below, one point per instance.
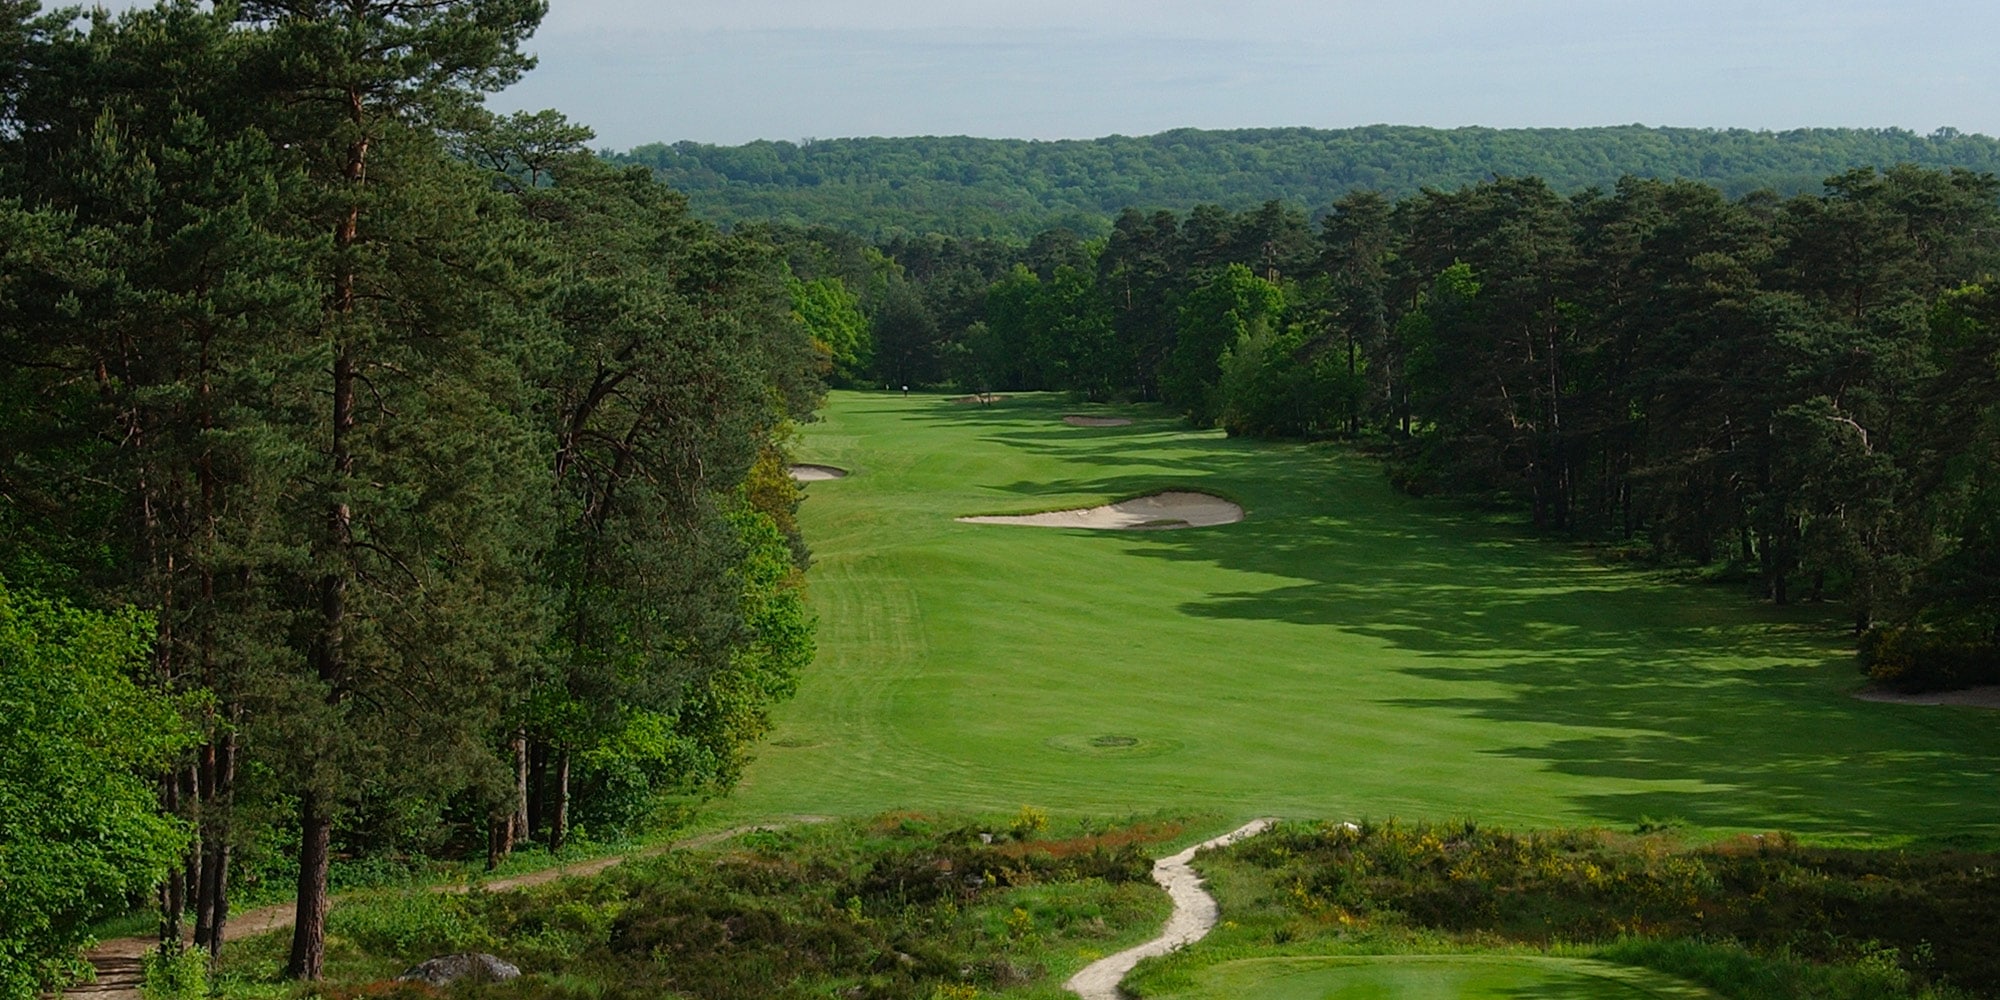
(475, 967)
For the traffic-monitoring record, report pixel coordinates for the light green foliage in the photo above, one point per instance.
(1344, 652)
(1215, 317)
(1279, 383)
(79, 832)
(173, 971)
(832, 314)
(727, 712)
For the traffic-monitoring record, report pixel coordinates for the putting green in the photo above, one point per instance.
(1344, 652)
(1433, 977)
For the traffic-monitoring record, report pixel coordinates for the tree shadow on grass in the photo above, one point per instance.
(1718, 710)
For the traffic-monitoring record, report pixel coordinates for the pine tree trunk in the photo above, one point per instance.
(315, 823)
(517, 825)
(559, 832)
(496, 840)
(173, 898)
(538, 768)
(308, 957)
(212, 910)
(192, 791)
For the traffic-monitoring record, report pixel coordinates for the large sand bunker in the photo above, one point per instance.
(1159, 512)
(816, 473)
(1078, 420)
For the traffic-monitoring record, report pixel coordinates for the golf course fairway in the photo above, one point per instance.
(1344, 652)
(1433, 977)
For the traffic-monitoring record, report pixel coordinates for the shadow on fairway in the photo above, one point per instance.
(1703, 684)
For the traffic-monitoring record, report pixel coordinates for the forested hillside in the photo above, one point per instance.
(1014, 188)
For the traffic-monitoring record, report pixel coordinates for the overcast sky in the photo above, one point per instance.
(734, 70)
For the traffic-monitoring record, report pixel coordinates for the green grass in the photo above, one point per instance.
(1432, 977)
(1346, 652)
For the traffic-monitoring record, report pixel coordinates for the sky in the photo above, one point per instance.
(730, 71)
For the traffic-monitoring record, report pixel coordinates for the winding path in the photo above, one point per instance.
(1194, 915)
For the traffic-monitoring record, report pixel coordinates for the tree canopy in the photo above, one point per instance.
(1013, 188)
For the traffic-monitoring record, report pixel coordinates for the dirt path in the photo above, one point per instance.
(1194, 916)
(118, 961)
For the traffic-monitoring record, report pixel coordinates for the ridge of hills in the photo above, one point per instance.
(1013, 188)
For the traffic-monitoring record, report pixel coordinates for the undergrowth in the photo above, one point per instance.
(901, 907)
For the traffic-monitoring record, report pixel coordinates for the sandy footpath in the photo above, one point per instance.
(1195, 914)
(1160, 511)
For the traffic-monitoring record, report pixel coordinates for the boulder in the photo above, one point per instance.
(476, 967)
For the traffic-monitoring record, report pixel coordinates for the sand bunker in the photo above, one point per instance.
(1976, 697)
(816, 473)
(1159, 512)
(1075, 420)
(981, 397)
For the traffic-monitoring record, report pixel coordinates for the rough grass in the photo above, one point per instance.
(1346, 652)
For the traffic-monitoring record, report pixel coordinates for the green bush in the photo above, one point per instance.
(174, 971)
(1915, 659)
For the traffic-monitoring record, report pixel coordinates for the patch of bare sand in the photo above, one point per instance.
(1158, 512)
(816, 473)
(981, 397)
(1079, 420)
(1973, 697)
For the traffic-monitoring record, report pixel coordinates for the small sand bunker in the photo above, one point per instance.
(981, 397)
(1159, 512)
(1078, 420)
(1974, 697)
(816, 473)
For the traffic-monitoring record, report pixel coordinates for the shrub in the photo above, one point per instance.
(1915, 659)
(174, 971)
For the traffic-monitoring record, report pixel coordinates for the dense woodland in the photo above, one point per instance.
(1014, 188)
(1803, 391)
(385, 477)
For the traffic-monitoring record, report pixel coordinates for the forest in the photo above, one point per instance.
(1802, 392)
(1012, 188)
(380, 478)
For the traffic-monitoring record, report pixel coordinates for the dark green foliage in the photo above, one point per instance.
(1012, 188)
(1926, 913)
(397, 418)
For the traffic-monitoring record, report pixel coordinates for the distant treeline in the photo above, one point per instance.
(1014, 188)
(1806, 388)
